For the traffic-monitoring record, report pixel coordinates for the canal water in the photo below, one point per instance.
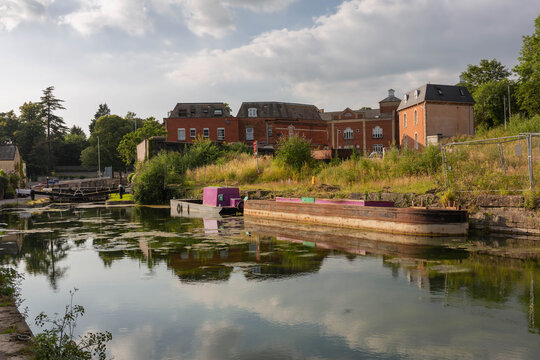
(187, 288)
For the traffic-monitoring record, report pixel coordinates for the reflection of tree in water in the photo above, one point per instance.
(42, 255)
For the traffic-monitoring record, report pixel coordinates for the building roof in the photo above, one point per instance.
(7, 152)
(390, 97)
(436, 93)
(200, 110)
(273, 109)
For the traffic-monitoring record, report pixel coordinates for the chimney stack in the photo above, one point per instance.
(390, 92)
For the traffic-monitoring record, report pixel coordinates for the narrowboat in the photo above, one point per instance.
(217, 201)
(363, 215)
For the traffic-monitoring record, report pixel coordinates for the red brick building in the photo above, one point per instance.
(365, 130)
(187, 121)
(432, 112)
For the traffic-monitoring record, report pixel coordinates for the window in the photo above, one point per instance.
(377, 132)
(348, 114)
(416, 141)
(181, 134)
(221, 133)
(206, 132)
(249, 133)
(461, 92)
(416, 93)
(252, 112)
(218, 112)
(193, 133)
(348, 134)
(269, 131)
(357, 131)
(405, 98)
(404, 120)
(377, 148)
(182, 113)
(415, 117)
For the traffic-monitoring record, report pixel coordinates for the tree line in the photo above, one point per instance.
(44, 141)
(497, 95)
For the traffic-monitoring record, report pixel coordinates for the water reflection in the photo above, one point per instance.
(222, 288)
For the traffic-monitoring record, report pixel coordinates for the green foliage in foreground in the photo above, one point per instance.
(58, 342)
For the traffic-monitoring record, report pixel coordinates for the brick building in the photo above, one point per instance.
(365, 130)
(432, 112)
(187, 121)
(266, 122)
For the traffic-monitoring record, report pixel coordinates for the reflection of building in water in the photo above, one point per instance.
(11, 244)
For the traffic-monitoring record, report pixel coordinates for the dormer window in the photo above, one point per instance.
(252, 112)
(439, 91)
(461, 92)
(416, 93)
(405, 97)
(218, 112)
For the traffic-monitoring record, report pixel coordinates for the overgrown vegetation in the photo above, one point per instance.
(58, 340)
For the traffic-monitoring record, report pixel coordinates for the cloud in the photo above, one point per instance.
(215, 17)
(362, 43)
(14, 12)
(95, 15)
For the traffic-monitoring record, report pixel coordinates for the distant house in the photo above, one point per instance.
(268, 121)
(432, 112)
(10, 159)
(213, 121)
(365, 130)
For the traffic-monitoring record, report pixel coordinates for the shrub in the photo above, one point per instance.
(293, 152)
(59, 341)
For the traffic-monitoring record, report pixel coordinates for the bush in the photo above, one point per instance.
(59, 341)
(293, 152)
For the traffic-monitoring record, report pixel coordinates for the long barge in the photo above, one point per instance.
(410, 221)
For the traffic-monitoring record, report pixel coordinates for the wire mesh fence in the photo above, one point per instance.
(502, 164)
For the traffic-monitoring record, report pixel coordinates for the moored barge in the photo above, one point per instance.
(359, 215)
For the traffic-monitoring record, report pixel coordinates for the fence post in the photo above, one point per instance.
(529, 153)
(445, 170)
(501, 154)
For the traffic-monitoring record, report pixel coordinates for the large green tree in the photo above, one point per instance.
(109, 131)
(9, 124)
(489, 85)
(55, 125)
(528, 70)
(103, 110)
(128, 146)
(486, 71)
(70, 149)
(31, 138)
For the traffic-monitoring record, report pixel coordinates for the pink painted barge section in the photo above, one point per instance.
(340, 202)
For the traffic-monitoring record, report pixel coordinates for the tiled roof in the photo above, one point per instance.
(199, 110)
(272, 109)
(438, 93)
(7, 152)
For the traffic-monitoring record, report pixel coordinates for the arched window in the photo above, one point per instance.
(416, 141)
(404, 120)
(348, 134)
(377, 132)
(415, 117)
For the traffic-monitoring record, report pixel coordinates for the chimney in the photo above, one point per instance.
(390, 92)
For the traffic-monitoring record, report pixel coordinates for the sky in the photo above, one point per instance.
(145, 56)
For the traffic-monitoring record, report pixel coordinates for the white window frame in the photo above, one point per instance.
(221, 134)
(218, 112)
(252, 112)
(250, 133)
(378, 148)
(181, 134)
(206, 132)
(404, 120)
(192, 133)
(377, 132)
(348, 134)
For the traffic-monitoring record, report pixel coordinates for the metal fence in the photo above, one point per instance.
(504, 164)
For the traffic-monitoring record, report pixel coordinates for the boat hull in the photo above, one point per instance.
(188, 207)
(412, 221)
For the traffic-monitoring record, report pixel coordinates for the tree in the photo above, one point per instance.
(528, 70)
(77, 130)
(9, 125)
(55, 124)
(70, 149)
(484, 72)
(103, 110)
(110, 130)
(490, 108)
(293, 152)
(31, 138)
(128, 146)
